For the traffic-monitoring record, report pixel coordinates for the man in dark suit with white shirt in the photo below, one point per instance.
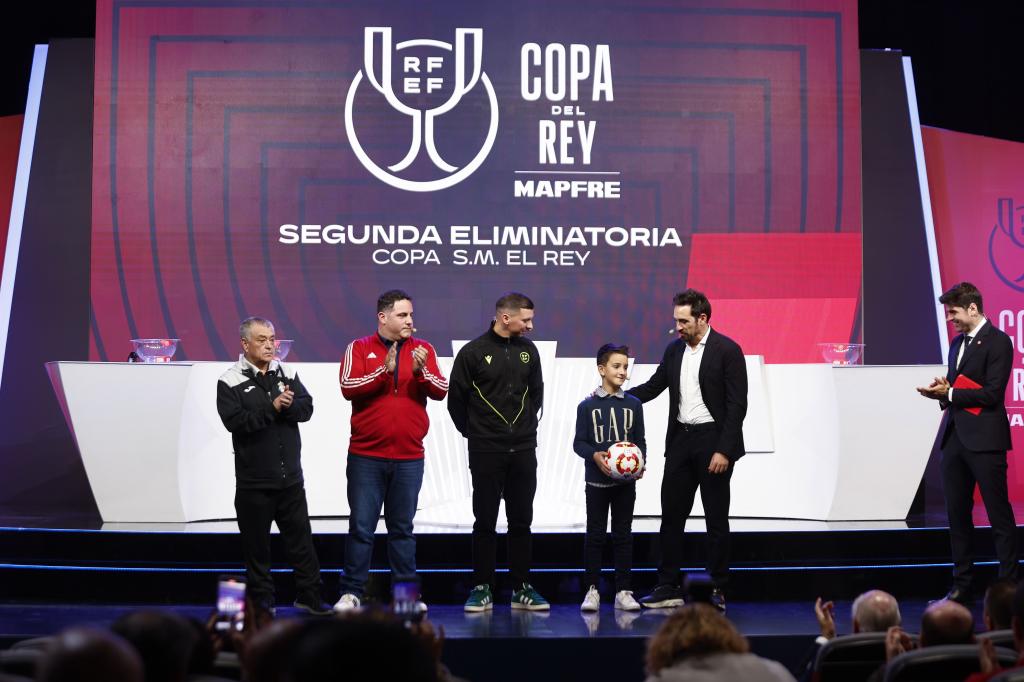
(975, 435)
(706, 377)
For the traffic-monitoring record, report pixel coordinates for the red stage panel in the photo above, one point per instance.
(779, 295)
(977, 192)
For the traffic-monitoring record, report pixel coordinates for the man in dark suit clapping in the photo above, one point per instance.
(706, 377)
(975, 434)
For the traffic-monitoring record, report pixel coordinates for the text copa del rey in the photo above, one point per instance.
(556, 73)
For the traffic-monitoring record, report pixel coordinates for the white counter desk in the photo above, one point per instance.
(823, 443)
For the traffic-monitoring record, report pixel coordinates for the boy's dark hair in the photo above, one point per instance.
(608, 349)
(513, 301)
(388, 299)
(962, 295)
(698, 302)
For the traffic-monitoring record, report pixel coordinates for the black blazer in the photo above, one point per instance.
(723, 386)
(987, 361)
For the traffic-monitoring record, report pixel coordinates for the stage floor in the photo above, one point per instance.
(641, 524)
(753, 619)
(60, 571)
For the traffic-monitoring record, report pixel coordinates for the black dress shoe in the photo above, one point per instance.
(718, 599)
(960, 595)
(313, 605)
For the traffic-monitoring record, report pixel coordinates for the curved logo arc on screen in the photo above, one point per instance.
(468, 45)
(999, 248)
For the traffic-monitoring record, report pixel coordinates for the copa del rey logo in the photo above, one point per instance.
(426, 69)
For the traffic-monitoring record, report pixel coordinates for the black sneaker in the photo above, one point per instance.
(718, 599)
(313, 604)
(663, 597)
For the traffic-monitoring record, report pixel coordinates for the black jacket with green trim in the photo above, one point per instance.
(496, 393)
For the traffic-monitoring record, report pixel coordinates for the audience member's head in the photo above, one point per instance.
(364, 647)
(204, 653)
(998, 611)
(1017, 622)
(693, 630)
(875, 611)
(164, 641)
(269, 652)
(83, 654)
(946, 622)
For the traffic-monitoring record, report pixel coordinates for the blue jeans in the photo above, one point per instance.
(373, 483)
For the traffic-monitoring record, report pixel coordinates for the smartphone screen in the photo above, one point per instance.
(405, 594)
(230, 603)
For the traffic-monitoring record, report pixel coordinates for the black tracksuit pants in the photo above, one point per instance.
(256, 509)
(512, 476)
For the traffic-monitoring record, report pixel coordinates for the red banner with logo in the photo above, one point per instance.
(977, 196)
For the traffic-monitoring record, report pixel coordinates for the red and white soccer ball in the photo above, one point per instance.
(626, 461)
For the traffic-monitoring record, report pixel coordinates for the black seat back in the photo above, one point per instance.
(850, 657)
(1000, 638)
(952, 662)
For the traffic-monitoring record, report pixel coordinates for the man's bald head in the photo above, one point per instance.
(875, 611)
(946, 622)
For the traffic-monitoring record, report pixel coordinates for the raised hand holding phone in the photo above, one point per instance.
(230, 603)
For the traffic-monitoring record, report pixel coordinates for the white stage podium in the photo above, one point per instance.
(824, 443)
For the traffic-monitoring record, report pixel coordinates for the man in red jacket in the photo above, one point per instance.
(388, 376)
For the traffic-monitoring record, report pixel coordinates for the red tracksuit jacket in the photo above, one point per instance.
(389, 416)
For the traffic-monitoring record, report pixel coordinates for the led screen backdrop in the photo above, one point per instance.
(293, 160)
(977, 191)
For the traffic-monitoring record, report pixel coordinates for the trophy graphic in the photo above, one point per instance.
(1006, 243)
(378, 55)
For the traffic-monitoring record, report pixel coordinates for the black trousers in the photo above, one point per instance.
(256, 509)
(961, 469)
(686, 470)
(620, 500)
(497, 475)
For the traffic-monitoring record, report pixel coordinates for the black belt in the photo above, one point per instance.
(707, 426)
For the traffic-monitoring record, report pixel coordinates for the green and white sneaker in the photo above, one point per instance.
(480, 599)
(528, 598)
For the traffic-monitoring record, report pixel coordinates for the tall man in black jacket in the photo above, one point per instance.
(706, 377)
(261, 403)
(975, 435)
(495, 396)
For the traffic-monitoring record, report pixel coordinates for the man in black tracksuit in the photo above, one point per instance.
(261, 403)
(495, 396)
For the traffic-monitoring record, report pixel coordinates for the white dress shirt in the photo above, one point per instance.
(963, 347)
(692, 409)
